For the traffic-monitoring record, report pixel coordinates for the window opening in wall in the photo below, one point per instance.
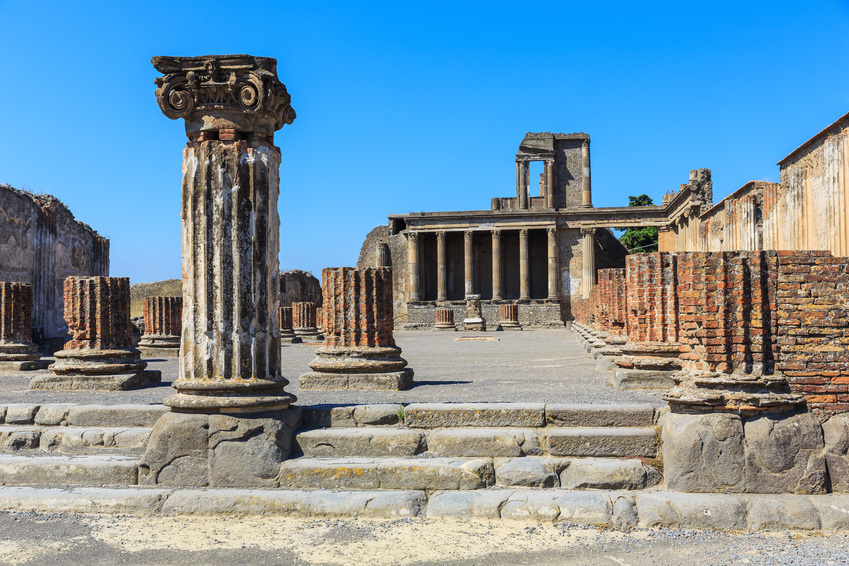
(535, 171)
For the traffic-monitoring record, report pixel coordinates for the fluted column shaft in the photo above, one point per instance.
(413, 263)
(553, 264)
(441, 268)
(497, 285)
(286, 318)
(468, 272)
(304, 319)
(588, 252)
(524, 267)
(163, 316)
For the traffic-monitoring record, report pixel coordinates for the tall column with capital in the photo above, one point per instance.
(230, 351)
(526, 182)
(467, 263)
(520, 186)
(497, 285)
(549, 183)
(586, 185)
(588, 253)
(413, 263)
(441, 270)
(524, 267)
(553, 264)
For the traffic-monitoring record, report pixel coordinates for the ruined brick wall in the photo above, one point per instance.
(652, 306)
(611, 300)
(813, 326)
(97, 310)
(41, 244)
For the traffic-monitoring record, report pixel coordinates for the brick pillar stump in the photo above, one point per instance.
(509, 317)
(444, 319)
(305, 322)
(287, 332)
(163, 325)
(359, 350)
(100, 353)
(318, 320)
(17, 352)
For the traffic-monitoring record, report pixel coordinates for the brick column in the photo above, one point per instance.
(304, 321)
(509, 317)
(497, 285)
(359, 350)
(524, 267)
(444, 319)
(319, 322)
(468, 271)
(441, 270)
(163, 325)
(287, 330)
(232, 105)
(17, 352)
(413, 263)
(553, 265)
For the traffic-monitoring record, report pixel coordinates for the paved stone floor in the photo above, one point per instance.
(540, 366)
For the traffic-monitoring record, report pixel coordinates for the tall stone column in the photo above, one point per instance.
(497, 285)
(553, 264)
(588, 254)
(520, 186)
(226, 426)
(232, 105)
(17, 352)
(524, 267)
(549, 183)
(441, 269)
(526, 195)
(586, 184)
(359, 350)
(100, 353)
(468, 273)
(163, 325)
(413, 262)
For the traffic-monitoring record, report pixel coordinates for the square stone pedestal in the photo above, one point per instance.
(159, 352)
(390, 381)
(474, 325)
(119, 382)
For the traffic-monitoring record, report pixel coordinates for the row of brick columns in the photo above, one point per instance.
(468, 267)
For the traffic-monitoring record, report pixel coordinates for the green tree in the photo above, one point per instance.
(640, 239)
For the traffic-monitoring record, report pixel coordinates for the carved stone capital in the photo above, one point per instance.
(523, 234)
(412, 237)
(587, 231)
(552, 231)
(467, 235)
(496, 234)
(440, 237)
(223, 92)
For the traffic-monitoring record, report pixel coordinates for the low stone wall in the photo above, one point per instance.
(531, 315)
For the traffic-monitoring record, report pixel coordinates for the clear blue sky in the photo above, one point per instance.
(411, 106)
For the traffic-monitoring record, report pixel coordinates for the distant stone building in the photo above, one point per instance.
(41, 243)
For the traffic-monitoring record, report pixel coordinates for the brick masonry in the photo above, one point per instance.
(97, 310)
(15, 313)
(163, 316)
(303, 316)
(358, 307)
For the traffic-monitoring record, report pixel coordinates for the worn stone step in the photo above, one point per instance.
(54, 414)
(488, 442)
(600, 415)
(574, 473)
(447, 415)
(72, 438)
(86, 470)
(386, 473)
(603, 441)
(364, 442)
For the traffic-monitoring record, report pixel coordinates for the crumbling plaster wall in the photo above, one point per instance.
(42, 244)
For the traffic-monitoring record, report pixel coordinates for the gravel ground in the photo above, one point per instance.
(539, 366)
(38, 539)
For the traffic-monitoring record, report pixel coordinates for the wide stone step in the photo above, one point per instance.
(574, 473)
(387, 473)
(68, 470)
(67, 414)
(603, 442)
(73, 439)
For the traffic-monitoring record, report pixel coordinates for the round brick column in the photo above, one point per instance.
(359, 350)
(509, 317)
(163, 325)
(97, 310)
(16, 323)
(305, 321)
(444, 319)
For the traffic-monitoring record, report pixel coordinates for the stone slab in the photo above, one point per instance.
(445, 415)
(608, 473)
(603, 442)
(529, 471)
(767, 513)
(21, 413)
(291, 340)
(115, 415)
(641, 379)
(491, 442)
(692, 510)
(25, 365)
(599, 415)
(108, 501)
(119, 382)
(148, 352)
(360, 442)
(390, 381)
(68, 470)
(79, 439)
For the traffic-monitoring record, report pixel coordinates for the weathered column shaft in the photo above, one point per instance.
(304, 318)
(286, 318)
(509, 312)
(526, 194)
(520, 189)
(524, 267)
(467, 263)
(549, 184)
(163, 316)
(553, 264)
(497, 285)
(441, 268)
(384, 258)
(16, 322)
(444, 318)
(586, 184)
(588, 254)
(413, 263)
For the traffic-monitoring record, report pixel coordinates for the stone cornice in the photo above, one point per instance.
(223, 92)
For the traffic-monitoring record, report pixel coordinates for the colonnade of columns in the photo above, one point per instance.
(413, 261)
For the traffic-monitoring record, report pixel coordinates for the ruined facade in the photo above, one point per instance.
(41, 244)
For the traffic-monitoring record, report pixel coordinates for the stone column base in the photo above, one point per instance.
(159, 346)
(444, 327)
(291, 340)
(159, 352)
(640, 378)
(100, 382)
(80, 361)
(306, 337)
(474, 325)
(218, 450)
(509, 325)
(388, 381)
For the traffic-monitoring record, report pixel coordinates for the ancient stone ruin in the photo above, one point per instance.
(474, 321)
(287, 331)
(509, 317)
(359, 350)
(226, 425)
(100, 353)
(17, 351)
(444, 319)
(163, 325)
(305, 322)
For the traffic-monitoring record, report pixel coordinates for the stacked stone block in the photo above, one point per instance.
(444, 319)
(163, 326)
(17, 351)
(359, 350)
(509, 317)
(287, 331)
